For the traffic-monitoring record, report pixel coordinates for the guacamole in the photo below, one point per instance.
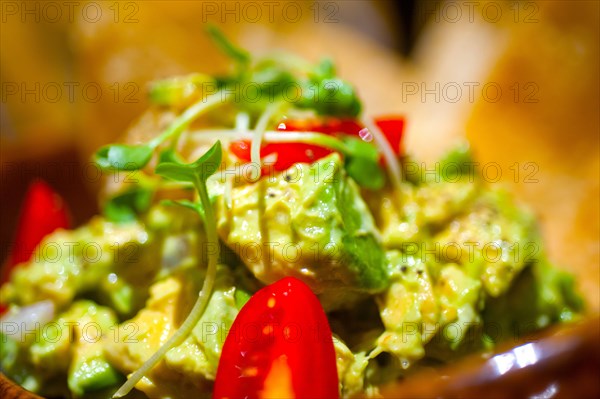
(411, 269)
(422, 276)
(309, 222)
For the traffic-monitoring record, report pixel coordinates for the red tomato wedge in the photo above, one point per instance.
(279, 346)
(43, 212)
(290, 153)
(392, 128)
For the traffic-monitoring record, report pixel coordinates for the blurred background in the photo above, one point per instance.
(519, 80)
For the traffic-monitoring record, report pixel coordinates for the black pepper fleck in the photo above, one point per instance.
(403, 269)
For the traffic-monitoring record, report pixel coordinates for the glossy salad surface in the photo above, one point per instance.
(236, 183)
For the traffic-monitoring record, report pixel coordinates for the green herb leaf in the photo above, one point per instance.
(239, 55)
(366, 173)
(169, 155)
(362, 163)
(356, 147)
(177, 172)
(200, 170)
(123, 156)
(333, 97)
(324, 70)
(194, 206)
(272, 79)
(209, 163)
(126, 206)
(204, 166)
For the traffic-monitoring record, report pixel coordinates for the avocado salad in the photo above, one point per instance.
(229, 184)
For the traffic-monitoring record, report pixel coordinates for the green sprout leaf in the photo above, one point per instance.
(194, 206)
(200, 170)
(169, 155)
(177, 172)
(332, 96)
(204, 167)
(209, 163)
(133, 157)
(323, 70)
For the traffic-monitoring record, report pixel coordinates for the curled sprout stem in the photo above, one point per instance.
(257, 136)
(387, 151)
(272, 136)
(182, 121)
(198, 309)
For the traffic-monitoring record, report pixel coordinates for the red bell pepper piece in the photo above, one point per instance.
(290, 153)
(43, 212)
(279, 346)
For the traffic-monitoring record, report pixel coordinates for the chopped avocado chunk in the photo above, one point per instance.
(351, 368)
(408, 308)
(187, 368)
(419, 305)
(467, 269)
(442, 266)
(495, 238)
(409, 216)
(66, 354)
(89, 371)
(68, 264)
(459, 297)
(309, 222)
(16, 364)
(540, 296)
(113, 263)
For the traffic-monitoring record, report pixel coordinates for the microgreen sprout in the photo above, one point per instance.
(134, 157)
(196, 173)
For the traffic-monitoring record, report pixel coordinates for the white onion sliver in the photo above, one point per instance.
(28, 318)
(387, 151)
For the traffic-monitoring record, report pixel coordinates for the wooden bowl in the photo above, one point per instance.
(562, 362)
(10, 390)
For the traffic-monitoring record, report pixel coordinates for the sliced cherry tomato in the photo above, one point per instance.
(241, 149)
(287, 154)
(279, 346)
(392, 128)
(327, 125)
(43, 212)
(290, 153)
